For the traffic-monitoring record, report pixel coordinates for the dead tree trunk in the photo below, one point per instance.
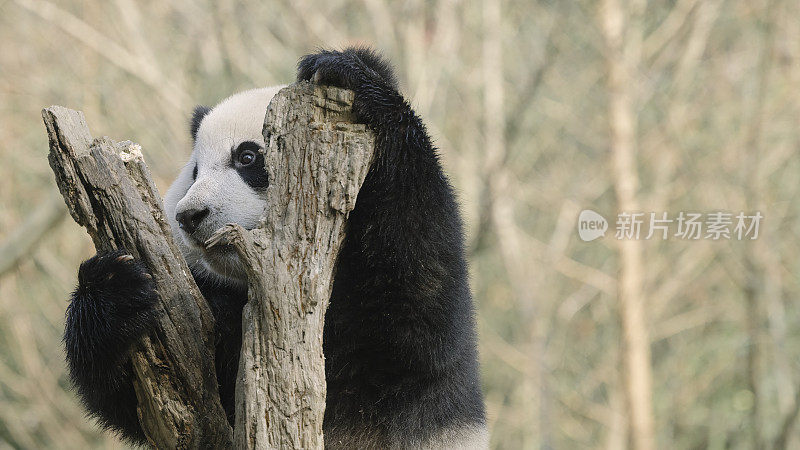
(108, 190)
(316, 164)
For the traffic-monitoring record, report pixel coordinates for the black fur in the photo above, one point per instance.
(399, 338)
(226, 304)
(253, 174)
(198, 114)
(112, 307)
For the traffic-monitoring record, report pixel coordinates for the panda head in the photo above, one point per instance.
(223, 182)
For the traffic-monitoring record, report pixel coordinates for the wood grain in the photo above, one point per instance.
(108, 190)
(317, 160)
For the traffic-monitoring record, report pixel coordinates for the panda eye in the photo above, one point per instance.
(247, 157)
(249, 163)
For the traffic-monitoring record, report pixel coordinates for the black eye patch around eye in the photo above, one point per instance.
(254, 174)
(194, 172)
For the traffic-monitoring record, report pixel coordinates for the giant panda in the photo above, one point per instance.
(399, 338)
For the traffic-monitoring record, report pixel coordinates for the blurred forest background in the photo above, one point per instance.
(540, 109)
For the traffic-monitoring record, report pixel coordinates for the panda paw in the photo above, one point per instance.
(117, 272)
(354, 68)
(377, 101)
(113, 305)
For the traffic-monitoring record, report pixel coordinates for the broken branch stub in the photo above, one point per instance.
(316, 159)
(108, 190)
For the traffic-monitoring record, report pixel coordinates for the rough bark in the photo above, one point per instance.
(108, 190)
(316, 160)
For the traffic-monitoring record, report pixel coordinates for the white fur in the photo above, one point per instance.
(463, 438)
(468, 437)
(218, 186)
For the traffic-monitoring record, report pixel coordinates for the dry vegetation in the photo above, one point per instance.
(540, 109)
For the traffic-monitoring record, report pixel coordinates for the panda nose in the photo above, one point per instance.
(191, 218)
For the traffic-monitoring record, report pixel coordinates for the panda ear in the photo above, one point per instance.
(197, 117)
